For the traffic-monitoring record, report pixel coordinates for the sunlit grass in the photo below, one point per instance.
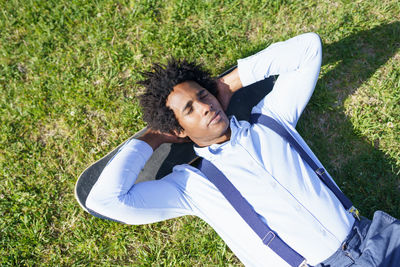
(68, 96)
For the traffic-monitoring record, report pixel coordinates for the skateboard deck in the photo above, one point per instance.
(166, 156)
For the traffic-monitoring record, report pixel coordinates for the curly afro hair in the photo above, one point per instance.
(159, 83)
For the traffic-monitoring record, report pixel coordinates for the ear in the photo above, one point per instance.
(181, 134)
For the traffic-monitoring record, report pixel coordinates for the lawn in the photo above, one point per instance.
(68, 72)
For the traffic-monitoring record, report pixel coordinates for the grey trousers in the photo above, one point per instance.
(370, 243)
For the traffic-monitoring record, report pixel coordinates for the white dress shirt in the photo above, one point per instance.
(268, 172)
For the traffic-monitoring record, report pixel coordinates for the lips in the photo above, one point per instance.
(215, 118)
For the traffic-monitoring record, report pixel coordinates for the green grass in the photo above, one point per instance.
(68, 96)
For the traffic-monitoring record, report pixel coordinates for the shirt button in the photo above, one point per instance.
(273, 184)
(323, 232)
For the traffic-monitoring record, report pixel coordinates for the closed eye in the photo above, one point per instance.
(188, 107)
(203, 94)
(189, 110)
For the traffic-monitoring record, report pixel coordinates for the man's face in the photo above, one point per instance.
(199, 113)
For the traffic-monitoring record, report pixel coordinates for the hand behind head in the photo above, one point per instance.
(155, 138)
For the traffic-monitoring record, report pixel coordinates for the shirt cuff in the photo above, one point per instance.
(139, 146)
(245, 69)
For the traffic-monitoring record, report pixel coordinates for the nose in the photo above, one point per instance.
(205, 108)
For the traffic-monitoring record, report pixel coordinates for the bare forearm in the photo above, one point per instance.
(231, 81)
(151, 138)
(227, 86)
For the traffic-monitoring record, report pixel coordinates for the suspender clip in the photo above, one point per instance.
(268, 238)
(304, 264)
(355, 212)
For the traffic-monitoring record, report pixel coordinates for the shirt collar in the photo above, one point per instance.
(209, 152)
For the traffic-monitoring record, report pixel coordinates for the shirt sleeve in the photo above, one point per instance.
(297, 61)
(116, 195)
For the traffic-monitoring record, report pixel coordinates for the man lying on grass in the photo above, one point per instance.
(308, 220)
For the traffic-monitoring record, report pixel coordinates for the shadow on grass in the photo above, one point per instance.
(361, 170)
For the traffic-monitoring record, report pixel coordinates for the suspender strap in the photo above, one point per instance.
(246, 211)
(279, 129)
